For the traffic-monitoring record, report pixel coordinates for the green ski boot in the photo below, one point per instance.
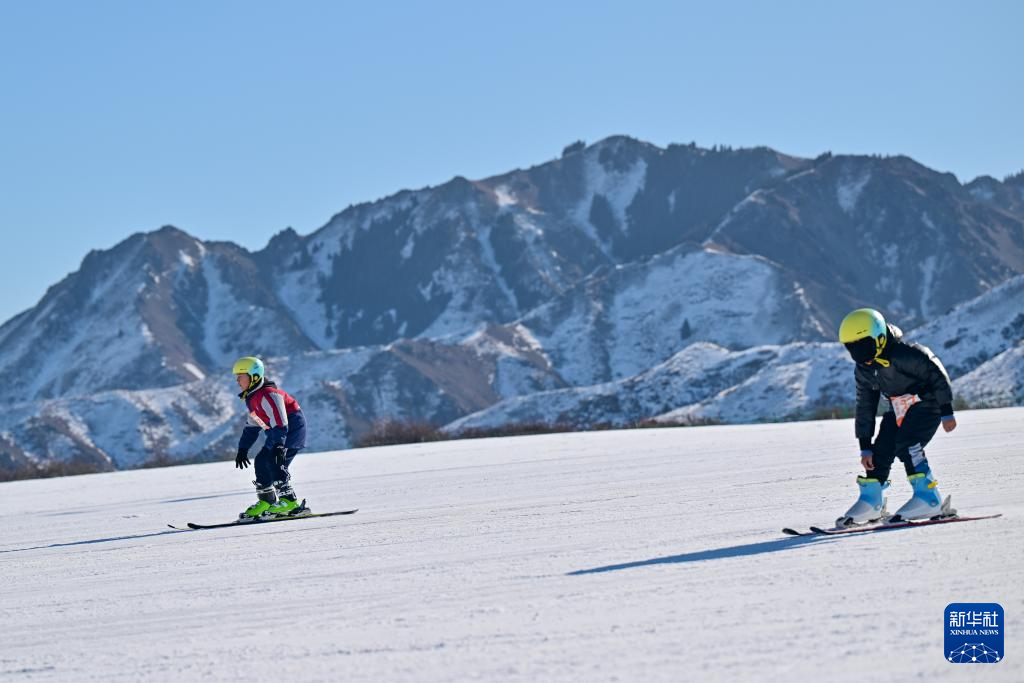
(267, 498)
(255, 510)
(284, 507)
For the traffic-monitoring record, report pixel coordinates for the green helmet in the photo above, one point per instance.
(249, 365)
(864, 334)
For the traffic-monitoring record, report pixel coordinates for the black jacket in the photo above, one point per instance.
(913, 369)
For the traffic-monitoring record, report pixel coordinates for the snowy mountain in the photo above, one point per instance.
(639, 555)
(505, 374)
(343, 394)
(154, 311)
(446, 259)
(885, 232)
(622, 321)
(979, 330)
(534, 291)
(997, 382)
(981, 343)
(1007, 195)
(702, 382)
(692, 374)
(163, 307)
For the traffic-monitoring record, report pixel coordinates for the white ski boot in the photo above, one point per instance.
(870, 506)
(926, 503)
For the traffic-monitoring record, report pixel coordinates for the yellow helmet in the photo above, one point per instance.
(249, 365)
(864, 334)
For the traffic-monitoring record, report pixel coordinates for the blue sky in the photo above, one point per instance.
(233, 120)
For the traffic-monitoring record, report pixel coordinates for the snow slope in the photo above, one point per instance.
(649, 555)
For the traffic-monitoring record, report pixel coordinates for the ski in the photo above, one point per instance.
(899, 525)
(868, 528)
(194, 526)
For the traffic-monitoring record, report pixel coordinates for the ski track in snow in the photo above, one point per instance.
(647, 555)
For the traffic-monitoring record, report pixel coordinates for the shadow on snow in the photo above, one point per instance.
(94, 540)
(716, 554)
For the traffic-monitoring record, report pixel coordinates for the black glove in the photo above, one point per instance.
(242, 459)
(280, 454)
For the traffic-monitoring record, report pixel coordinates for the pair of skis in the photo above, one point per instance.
(302, 512)
(884, 526)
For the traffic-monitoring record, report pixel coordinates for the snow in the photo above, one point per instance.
(981, 193)
(194, 371)
(848, 191)
(92, 349)
(704, 380)
(709, 290)
(928, 267)
(795, 379)
(297, 289)
(408, 247)
(976, 330)
(682, 379)
(186, 259)
(129, 427)
(618, 187)
(755, 197)
(725, 298)
(231, 316)
(219, 318)
(529, 227)
(999, 381)
(649, 555)
(503, 196)
(930, 224)
(340, 233)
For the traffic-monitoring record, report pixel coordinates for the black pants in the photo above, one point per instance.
(269, 471)
(905, 442)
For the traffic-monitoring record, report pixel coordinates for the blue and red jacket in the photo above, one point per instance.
(276, 414)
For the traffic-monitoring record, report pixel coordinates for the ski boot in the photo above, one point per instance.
(287, 504)
(267, 498)
(870, 506)
(926, 503)
(284, 507)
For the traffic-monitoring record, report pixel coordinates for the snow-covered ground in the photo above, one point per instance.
(631, 556)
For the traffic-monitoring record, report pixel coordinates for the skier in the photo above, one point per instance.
(920, 398)
(279, 416)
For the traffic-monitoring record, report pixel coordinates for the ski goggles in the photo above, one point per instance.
(862, 350)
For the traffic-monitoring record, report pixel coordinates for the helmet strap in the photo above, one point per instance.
(880, 342)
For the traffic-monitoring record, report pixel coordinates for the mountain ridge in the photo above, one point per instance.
(595, 267)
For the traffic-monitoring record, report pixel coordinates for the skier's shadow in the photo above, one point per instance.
(94, 540)
(775, 546)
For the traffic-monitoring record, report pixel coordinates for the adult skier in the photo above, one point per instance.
(920, 398)
(280, 418)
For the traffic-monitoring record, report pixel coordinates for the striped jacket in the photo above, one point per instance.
(269, 411)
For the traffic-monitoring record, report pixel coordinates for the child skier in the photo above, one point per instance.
(920, 398)
(279, 416)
